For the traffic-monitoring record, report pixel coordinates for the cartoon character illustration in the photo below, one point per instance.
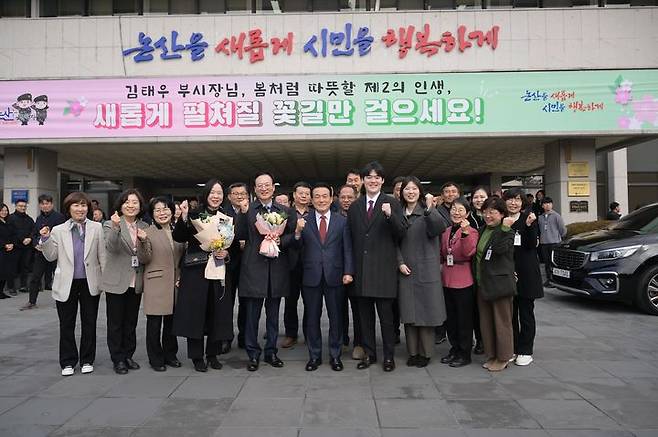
(23, 106)
(41, 108)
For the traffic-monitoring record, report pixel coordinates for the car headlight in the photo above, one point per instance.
(617, 253)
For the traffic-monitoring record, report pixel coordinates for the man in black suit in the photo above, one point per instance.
(263, 279)
(376, 224)
(326, 258)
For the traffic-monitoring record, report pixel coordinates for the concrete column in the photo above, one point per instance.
(31, 169)
(618, 179)
(495, 182)
(557, 156)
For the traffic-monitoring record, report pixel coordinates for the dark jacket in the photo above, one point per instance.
(526, 263)
(475, 220)
(52, 219)
(24, 226)
(375, 245)
(256, 269)
(331, 259)
(445, 215)
(496, 278)
(8, 260)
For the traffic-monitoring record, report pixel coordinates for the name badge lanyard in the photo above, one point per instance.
(134, 262)
(450, 258)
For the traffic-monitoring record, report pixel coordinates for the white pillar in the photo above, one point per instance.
(557, 157)
(33, 170)
(618, 179)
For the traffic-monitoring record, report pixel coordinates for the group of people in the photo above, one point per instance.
(417, 260)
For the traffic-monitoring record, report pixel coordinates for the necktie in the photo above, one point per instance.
(323, 229)
(370, 209)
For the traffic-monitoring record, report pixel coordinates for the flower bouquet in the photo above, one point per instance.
(271, 225)
(215, 233)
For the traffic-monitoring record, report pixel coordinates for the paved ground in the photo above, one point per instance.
(596, 373)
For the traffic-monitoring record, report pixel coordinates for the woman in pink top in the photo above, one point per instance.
(458, 245)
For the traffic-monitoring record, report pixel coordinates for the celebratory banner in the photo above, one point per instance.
(620, 102)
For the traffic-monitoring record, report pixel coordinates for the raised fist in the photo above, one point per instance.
(141, 234)
(386, 209)
(116, 219)
(301, 223)
(531, 218)
(44, 232)
(244, 206)
(508, 221)
(184, 209)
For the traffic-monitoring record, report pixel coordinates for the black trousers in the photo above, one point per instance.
(333, 299)
(41, 268)
(122, 314)
(476, 316)
(396, 317)
(524, 325)
(547, 250)
(459, 324)
(254, 307)
(195, 348)
(23, 265)
(290, 316)
(384, 307)
(161, 344)
(356, 322)
(68, 314)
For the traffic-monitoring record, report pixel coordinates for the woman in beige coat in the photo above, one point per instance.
(160, 255)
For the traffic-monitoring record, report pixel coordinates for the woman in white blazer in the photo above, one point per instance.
(79, 249)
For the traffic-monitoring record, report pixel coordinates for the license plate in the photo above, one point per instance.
(561, 273)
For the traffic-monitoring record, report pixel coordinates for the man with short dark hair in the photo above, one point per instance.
(24, 226)
(614, 213)
(41, 267)
(551, 232)
(397, 185)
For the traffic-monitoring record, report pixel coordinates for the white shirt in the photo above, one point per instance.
(374, 201)
(327, 215)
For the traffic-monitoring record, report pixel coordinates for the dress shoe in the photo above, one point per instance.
(288, 342)
(3, 295)
(28, 306)
(336, 364)
(214, 363)
(440, 339)
(200, 365)
(13, 292)
(312, 365)
(388, 365)
(173, 363)
(498, 365)
(68, 371)
(358, 353)
(412, 360)
(23, 290)
(479, 348)
(366, 362)
(422, 361)
(273, 361)
(132, 364)
(158, 368)
(523, 360)
(87, 368)
(253, 365)
(488, 363)
(448, 358)
(120, 368)
(225, 347)
(460, 362)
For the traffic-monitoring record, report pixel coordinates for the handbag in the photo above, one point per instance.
(193, 259)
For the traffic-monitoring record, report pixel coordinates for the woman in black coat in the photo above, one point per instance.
(8, 258)
(528, 286)
(204, 306)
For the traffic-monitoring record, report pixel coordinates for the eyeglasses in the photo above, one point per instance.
(264, 185)
(161, 210)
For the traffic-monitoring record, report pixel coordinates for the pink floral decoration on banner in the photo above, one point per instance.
(624, 122)
(646, 110)
(622, 96)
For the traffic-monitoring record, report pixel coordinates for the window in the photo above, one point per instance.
(157, 6)
(183, 7)
(325, 5)
(238, 5)
(128, 7)
(212, 6)
(15, 8)
(71, 7)
(100, 7)
(295, 5)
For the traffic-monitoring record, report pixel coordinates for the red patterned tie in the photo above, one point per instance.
(323, 229)
(370, 209)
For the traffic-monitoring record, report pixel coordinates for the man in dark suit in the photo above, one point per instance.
(263, 279)
(376, 224)
(326, 257)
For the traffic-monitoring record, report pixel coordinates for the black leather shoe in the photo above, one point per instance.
(214, 363)
(132, 365)
(388, 365)
(158, 368)
(460, 362)
(173, 363)
(336, 364)
(313, 365)
(253, 365)
(225, 347)
(200, 365)
(448, 358)
(413, 359)
(273, 361)
(422, 361)
(120, 368)
(479, 348)
(366, 362)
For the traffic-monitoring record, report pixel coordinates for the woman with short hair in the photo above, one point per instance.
(8, 260)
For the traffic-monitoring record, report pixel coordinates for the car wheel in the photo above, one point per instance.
(647, 298)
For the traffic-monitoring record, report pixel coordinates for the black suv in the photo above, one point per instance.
(618, 263)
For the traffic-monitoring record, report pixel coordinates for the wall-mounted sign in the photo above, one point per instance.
(436, 104)
(579, 206)
(17, 195)
(578, 169)
(578, 189)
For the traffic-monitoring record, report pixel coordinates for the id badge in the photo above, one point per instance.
(487, 256)
(517, 239)
(134, 262)
(450, 260)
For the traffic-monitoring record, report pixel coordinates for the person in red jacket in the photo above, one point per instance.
(458, 246)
